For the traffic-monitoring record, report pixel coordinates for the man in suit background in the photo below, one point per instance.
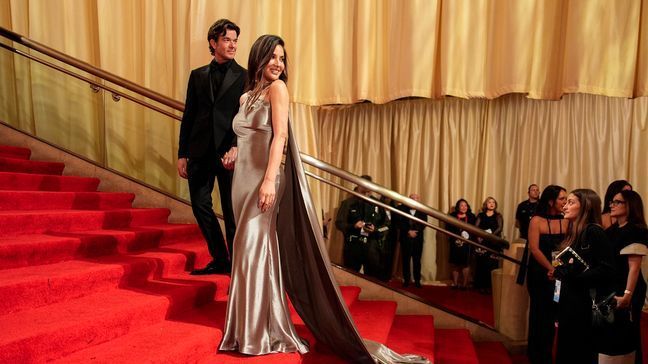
(207, 146)
(410, 234)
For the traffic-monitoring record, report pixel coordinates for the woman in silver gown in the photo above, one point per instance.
(278, 247)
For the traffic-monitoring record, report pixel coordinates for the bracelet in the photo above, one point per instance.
(627, 291)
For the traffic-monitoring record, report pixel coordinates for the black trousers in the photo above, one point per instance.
(376, 261)
(355, 253)
(202, 173)
(542, 316)
(411, 251)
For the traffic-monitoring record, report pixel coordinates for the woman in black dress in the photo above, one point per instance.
(587, 239)
(460, 250)
(492, 222)
(629, 237)
(546, 231)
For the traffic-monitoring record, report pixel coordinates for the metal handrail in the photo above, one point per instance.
(165, 100)
(91, 81)
(321, 165)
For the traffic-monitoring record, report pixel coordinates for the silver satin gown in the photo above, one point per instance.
(283, 251)
(258, 319)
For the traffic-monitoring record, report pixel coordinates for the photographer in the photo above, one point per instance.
(362, 223)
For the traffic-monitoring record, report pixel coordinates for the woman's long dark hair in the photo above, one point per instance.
(634, 207)
(549, 194)
(260, 54)
(589, 213)
(614, 188)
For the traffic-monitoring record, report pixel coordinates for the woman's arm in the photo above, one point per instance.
(500, 225)
(278, 94)
(634, 263)
(534, 245)
(602, 264)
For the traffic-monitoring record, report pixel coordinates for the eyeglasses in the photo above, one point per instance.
(617, 202)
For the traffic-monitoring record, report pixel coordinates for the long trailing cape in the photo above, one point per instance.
(308, 276)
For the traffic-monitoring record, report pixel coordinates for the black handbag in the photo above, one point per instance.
(602, 311)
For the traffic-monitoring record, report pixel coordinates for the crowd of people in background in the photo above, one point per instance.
(608, 237)
(604, 242)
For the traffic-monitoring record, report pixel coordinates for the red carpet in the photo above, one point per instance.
(84, 277)
(468, 303)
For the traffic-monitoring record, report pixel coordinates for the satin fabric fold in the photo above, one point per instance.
(308, 276)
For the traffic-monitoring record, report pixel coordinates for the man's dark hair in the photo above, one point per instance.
(531, 185)
(219, 29)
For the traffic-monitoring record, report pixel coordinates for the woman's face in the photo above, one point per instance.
(491, 204)
(275, 66)
(560, 202)
(463, 207)
(572, 207)
(618, 206)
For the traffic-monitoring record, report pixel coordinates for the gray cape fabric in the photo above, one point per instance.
(308, 276)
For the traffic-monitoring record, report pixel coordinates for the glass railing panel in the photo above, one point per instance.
(143, 142)
(491, 296)
(53, 106)
(12, 68)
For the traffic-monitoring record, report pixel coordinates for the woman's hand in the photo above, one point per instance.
(624, 301)
(267, 195)
(229, 158)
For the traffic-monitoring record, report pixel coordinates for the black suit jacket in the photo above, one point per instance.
(208, 117)
(405, 224)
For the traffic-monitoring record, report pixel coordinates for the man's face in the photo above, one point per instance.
(364, 191)
(225, 47)
(534, 192)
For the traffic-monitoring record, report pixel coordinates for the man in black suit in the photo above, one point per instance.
(410, 234)
(207, 147)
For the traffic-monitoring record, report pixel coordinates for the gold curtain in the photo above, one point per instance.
(452, 148)
(343, 51)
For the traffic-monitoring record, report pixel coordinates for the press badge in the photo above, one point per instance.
(556, 297)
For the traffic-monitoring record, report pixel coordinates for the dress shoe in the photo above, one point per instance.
(212, 268)
(417, 284)
(405, 284)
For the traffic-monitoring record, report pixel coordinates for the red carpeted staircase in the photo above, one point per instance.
(85, 277)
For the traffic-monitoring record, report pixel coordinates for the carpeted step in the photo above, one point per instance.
(14, 152)
(454, 346)
(26, 250)
(50, 332)
(350, 294)
(46, 182)
(413, 334)
(39, 200)
(29, 166)
(373, 318)
(36, 286)
(492, 352)
(166, 342)
(38, 221)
